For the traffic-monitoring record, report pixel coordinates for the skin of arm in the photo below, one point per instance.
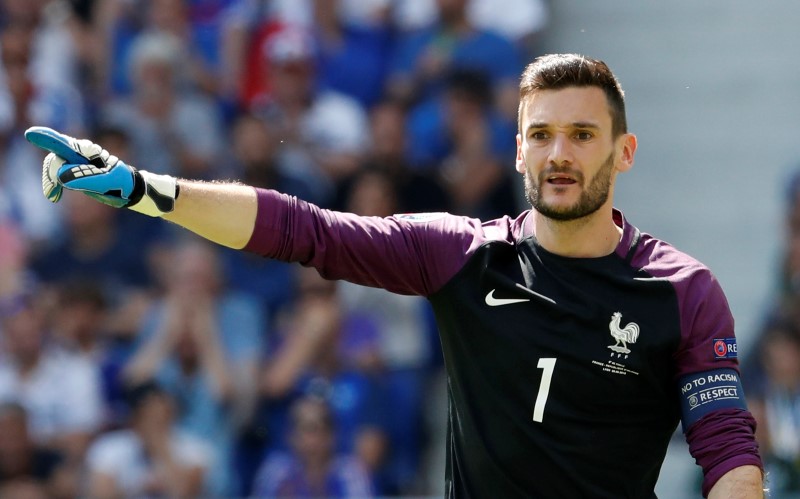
(147, 360)
(211, 354)
(224, 213)
(744, 482)
(315, 324)
(103, 486)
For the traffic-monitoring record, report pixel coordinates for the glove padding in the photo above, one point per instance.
(50, 187)
(85, 166)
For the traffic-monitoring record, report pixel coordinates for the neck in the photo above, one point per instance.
(317, 473)
(27, 365)
(592, 236)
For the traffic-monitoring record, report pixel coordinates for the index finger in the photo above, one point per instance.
(55, 142)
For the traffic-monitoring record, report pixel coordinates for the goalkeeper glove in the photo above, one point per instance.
(82, 165)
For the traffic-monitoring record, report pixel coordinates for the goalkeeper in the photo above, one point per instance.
(574, 344)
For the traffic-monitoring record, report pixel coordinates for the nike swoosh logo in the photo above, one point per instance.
(496, 302)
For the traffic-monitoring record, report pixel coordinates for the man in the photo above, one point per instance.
(150, 457)
(312, 467)
(573, 343)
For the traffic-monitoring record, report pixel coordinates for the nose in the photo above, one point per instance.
(560, 151)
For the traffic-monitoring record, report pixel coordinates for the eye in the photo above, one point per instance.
(538, 135)
(584, 135)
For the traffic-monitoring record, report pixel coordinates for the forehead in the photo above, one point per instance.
(567, 105)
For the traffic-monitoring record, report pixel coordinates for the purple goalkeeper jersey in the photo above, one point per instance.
(566, 376)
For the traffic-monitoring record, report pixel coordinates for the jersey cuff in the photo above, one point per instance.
(721, 441)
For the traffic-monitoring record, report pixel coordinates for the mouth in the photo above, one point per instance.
(561, 179)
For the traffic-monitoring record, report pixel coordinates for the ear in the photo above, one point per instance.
(520, 161)
(629, 143)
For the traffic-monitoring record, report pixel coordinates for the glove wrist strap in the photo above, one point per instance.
(153, 194)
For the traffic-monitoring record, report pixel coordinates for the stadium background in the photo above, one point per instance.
(712, 95)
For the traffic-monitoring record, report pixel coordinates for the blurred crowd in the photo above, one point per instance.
(137, 359)
(772, 371)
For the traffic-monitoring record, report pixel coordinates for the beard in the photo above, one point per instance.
(592, 197)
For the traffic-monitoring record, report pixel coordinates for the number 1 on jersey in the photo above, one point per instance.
(548, 365)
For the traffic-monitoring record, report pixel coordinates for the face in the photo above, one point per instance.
(253, 144)
(372, 195)
(15, 444)
(388, 132)
(781, 356)
(312, 438)
(567, 153)
(195, 270)
(24, 335)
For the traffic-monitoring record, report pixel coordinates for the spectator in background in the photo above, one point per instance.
(416, 190)
(199, 24)
(320, 352)
(151, 457)
(80, 326)
(353, 53)
(462, 137)
(258, 157)
(51, 63)
(94, 245)
(169, 125)
(23, 102)
(775, 403)
(79, 318)
(425, 57)
(14, 273)
(23, 463)
(521, 21)
(260, 160)
(312, 467)
(473, 171)
(61, 393)
(203, 28)
(202, 343)
(404, 339)
(330, 127)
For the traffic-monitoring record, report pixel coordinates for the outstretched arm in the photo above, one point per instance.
(221, 212)
(224, 213)
(423, 253)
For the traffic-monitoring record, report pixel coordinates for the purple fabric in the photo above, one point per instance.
(419, 254)
(722, 441)
(395, 253)
(704, 311)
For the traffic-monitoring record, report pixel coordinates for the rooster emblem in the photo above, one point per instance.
(622, 335)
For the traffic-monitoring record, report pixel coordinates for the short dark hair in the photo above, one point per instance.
(472, 84)
(14, 409)
(558, 71)
(77, 291)
(138, 394)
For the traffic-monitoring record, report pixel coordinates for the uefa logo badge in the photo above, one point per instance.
(725, 348)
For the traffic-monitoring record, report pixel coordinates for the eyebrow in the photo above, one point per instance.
(576, 124)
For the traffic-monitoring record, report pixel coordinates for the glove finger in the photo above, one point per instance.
(50, 186)
(56, 142)
(89, 149)
(113, 182)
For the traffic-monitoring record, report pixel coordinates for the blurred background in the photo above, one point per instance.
(136, 359)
